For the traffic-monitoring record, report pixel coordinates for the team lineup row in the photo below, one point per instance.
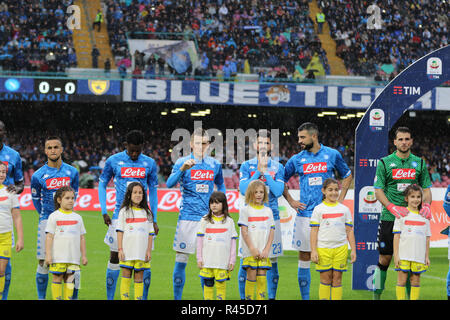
(322, 231)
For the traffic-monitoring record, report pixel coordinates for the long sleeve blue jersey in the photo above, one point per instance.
(196, 185)
(11, 158)
(273, 178)
(124, 170)
(447, 201)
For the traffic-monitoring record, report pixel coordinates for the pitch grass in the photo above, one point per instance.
(23, 285)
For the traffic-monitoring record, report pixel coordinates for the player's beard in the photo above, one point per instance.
(307, 146)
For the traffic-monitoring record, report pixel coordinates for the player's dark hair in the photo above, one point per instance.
(402, 130)
(326, 183)
(135, 137)
(53, 138)
(59, 194)
(265, 133)
(218, 197)
(410, 189)
(127, 203)
(310, 127)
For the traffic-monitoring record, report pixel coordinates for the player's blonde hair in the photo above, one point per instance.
(251, 189)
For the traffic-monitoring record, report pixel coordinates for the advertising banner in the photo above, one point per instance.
(276, 94)
(169, 201)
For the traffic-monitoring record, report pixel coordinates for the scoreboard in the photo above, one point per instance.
(60, 90)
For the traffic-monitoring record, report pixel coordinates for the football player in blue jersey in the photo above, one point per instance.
(125, 167)
(271, 172)
(14, 183)
(14, 178)
(314, 164)
(447, 210)
(197, 174)
(53, 175)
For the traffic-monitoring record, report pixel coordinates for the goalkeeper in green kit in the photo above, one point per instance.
(394, 173)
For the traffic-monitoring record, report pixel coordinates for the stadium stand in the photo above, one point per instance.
(410, 29)
(274, 38)
(34, 36)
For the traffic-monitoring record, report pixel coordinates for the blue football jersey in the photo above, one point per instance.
(273, 178)
(12, 159)
(447, 201)
(313, 169)
(44, 183)
(124, 170)
(196, 184)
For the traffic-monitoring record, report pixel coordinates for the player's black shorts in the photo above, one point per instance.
(385, 238)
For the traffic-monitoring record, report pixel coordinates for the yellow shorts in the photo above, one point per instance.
(59, 268)
(5, 245)
(332, 259)
(214, 273)
(137, 265)
(414, 267)
(251, 262)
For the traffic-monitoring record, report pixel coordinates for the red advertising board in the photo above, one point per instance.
(169, 201)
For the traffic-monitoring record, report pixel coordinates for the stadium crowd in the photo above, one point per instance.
(93, 136)
(271, 38)
(232, 36)
(281, 37)
(409, 30)
(34, 36)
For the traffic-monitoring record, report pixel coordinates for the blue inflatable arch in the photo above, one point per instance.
(371, 144)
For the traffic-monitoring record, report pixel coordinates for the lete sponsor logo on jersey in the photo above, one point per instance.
(131, 172)
(56, 183)
(315, 167)
(202, 175)
(398, 174)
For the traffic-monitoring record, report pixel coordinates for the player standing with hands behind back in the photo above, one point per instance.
(125, 167)
(394, 173)
(45, 181)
